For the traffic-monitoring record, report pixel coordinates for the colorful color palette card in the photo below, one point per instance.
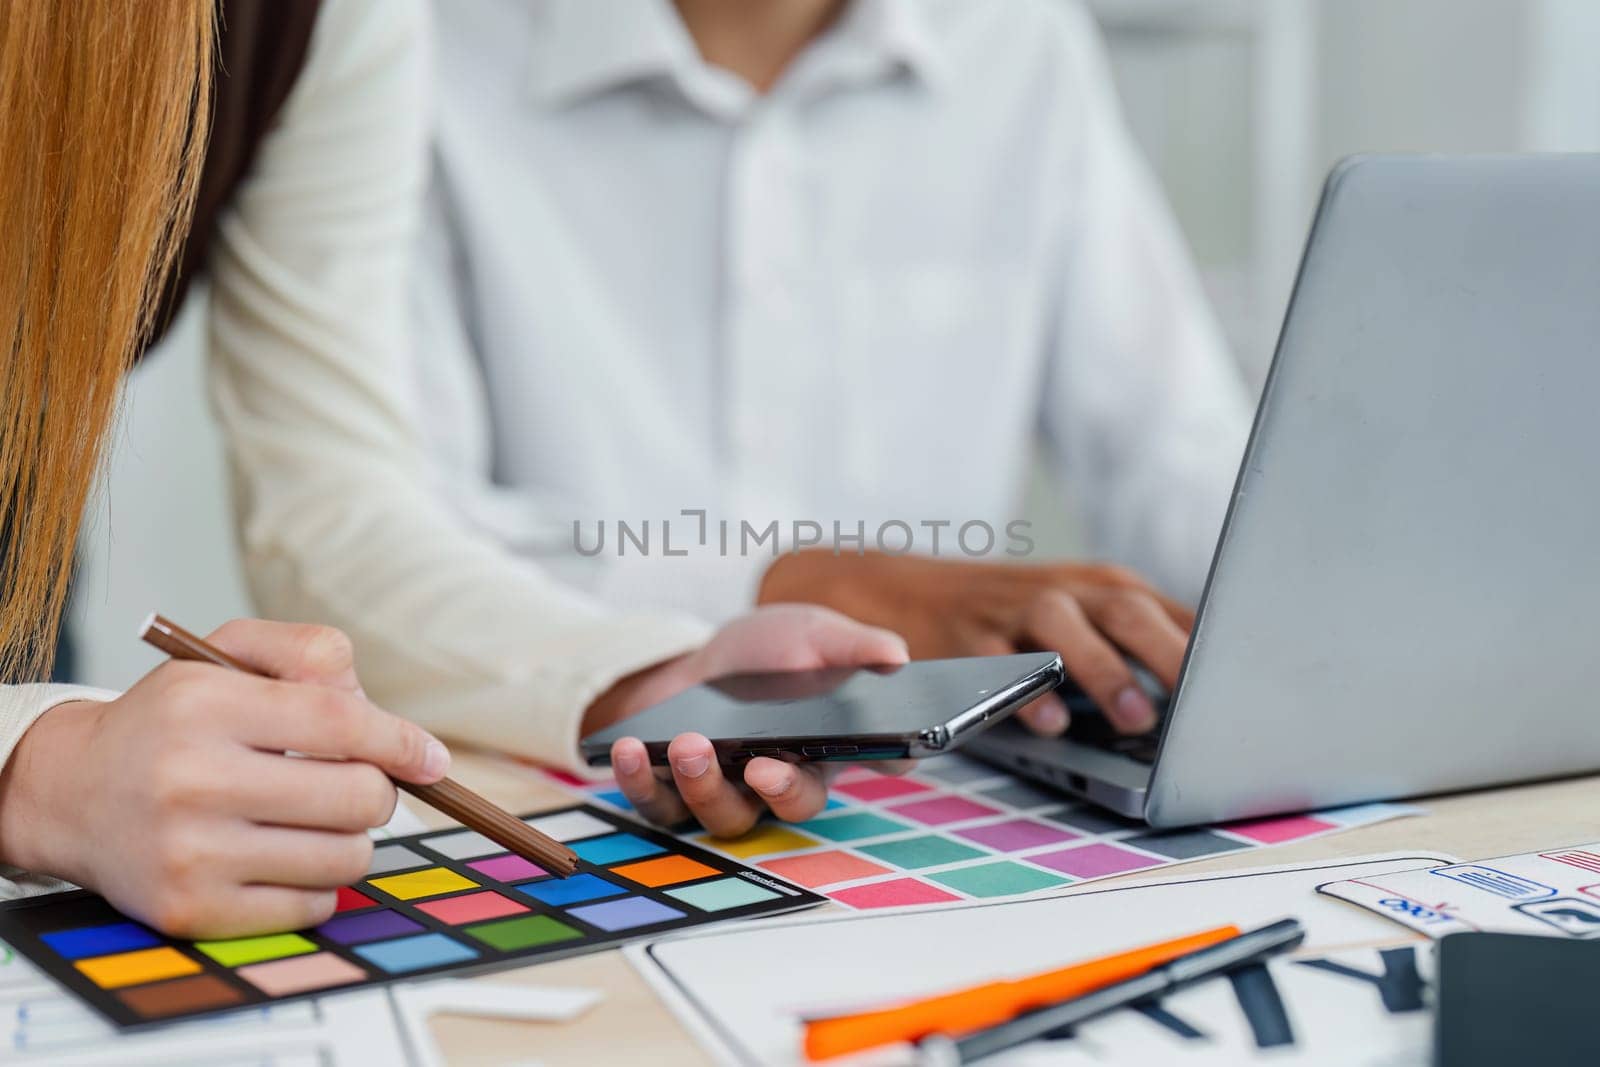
(956, 829)
(431, 904)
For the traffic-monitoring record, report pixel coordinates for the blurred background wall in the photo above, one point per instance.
(1241, 106)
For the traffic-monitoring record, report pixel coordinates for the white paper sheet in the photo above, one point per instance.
(742, 990)
(420, 1001)
(1555, 893)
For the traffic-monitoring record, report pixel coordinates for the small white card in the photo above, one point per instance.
(1554, 893)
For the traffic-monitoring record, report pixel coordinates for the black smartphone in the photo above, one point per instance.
(859, 713)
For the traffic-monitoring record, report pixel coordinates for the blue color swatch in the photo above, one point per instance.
(100, 940)
(574, 890)
(625, 914)
(614, 848)
(415, 953)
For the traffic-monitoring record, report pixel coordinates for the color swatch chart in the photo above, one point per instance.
(430, 904)
(40, 1023)
(956, 829)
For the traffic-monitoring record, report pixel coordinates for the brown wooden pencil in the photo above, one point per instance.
(446, 795)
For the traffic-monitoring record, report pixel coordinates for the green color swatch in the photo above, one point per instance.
(243, 950)
(997, 879)
(509, 935)
(916, 852)
(850, 827)
(722, 894)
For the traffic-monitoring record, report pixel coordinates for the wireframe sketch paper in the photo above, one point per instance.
(1362, 1007)
(1555, 893)
(1351, 996)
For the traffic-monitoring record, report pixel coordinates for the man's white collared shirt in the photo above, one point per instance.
(859, 298)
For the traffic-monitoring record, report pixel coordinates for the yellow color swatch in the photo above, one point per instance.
(132, 968)
(428, 883)
(765, 839)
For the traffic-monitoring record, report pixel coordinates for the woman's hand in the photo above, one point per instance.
(784, 637)
(176, 802)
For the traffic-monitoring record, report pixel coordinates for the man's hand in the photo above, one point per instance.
(788, 637)
(1093, 615)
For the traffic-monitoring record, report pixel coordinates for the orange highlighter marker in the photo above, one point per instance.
(980, 1006)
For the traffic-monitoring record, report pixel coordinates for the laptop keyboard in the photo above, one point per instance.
(1097, 732)
(1091, 727)
(1141, 747)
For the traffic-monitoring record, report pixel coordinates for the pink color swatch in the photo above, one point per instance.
(881, 788)
(1275, 831)
(1014, 835)
(895, 894)
(823, 868)
(507, 869)
(1094, 861)
(940, 810)
(471, 908)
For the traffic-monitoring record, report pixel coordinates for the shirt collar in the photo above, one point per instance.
(583, 47)
(586, 47)
(894, 33)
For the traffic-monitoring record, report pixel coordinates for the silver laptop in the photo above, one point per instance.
(1405, 597)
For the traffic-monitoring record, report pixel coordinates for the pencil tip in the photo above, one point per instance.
(149, 622)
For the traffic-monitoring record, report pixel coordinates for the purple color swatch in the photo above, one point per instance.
(1094, 861)
(370, 926)
(1014, 835)
(625, 914)
(940, 810)
(508, 869)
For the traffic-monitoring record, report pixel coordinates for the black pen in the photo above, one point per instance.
(1250, 947)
